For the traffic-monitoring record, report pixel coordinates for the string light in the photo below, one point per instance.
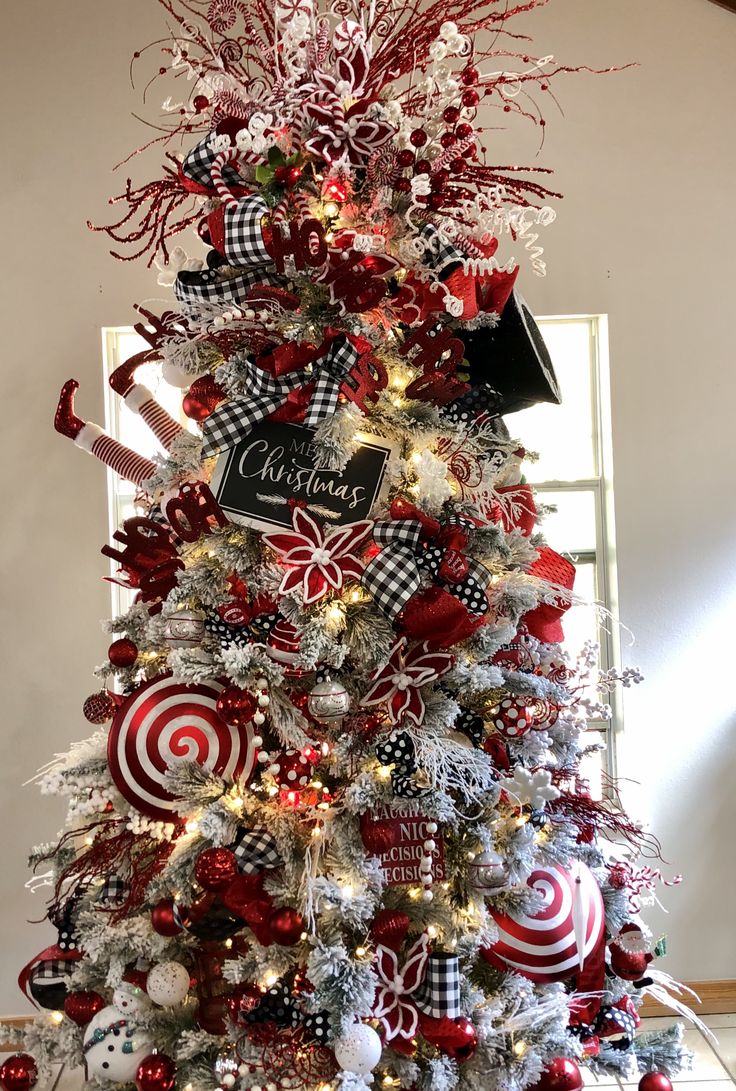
(270, 979)
(433, 931)
(330, 208)
(192, 825)
(57, 1016)
(361, 952)
(520, 1048)
(228, 943)
(347, 892)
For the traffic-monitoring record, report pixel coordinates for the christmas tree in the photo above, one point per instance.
(330, 830)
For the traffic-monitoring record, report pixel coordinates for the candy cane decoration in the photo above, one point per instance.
(165, 722)
(229, 158)
(553, 944)
(91, 438)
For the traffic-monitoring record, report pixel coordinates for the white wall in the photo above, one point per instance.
(645, 159)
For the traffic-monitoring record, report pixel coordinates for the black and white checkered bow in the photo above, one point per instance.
(440, 255)
(113, 892)
(233, 420)
(396, 573)
(255, 850)
(198, 162)
(244, 243)
(439, 993)
(331, 371)
(211, 286)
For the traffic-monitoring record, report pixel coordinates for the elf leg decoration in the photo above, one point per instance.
(91, 438)
(140, 399)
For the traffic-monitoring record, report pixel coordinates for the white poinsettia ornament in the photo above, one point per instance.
(317, 560)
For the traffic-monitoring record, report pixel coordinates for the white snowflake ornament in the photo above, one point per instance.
(534, 787)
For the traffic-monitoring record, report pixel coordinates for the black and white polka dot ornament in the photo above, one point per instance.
(317, 1026)
(227, 635)
(470, 724)
(397, 750)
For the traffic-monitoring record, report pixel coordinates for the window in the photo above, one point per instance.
(572, 474)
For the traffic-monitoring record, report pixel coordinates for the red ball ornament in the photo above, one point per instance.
(236, 706)
(292, 769)
(157, 1072)
(402, 185)
(286, 926)
(458, 164)
(378, 836)
(164, 920)
(423, 166)
(202, 398)
(122, 653)
(242, 1000)
(447, 140)
(464, 130)
(654, 1081)
(456, 1038)
(200, 103)
(418, 138)
(436, 201)
(99, 707)
(451, 114)
(515, 716)
(81, 1007)
(18, 1073)
(471, 97)
(405, 158)
(469, 76)
(390, 927)
(440, 178)
(215, 869)
(561, 1074)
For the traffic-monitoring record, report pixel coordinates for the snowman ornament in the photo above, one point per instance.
(114, 1045)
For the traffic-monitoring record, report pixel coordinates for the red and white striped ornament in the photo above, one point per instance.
(554, 943)
(165, 722)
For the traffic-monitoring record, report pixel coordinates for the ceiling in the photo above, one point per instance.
(730, 4)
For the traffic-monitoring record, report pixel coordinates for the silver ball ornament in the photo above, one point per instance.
(328, 701)
(184, 629)
(487, 872)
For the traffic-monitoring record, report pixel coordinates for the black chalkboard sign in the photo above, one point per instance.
(254, 480)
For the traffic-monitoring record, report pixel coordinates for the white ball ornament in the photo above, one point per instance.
(167, 983)
(487, 872)
(184, 629)
(328, 701)
(114, 1047)
(359, 1051)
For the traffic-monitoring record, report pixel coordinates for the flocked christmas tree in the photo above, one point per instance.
(331, 830)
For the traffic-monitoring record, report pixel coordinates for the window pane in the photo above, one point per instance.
(563, 435)
(594, 765)
(572, 528)
(580, 623)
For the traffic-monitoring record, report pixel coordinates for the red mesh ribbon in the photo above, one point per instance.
(544, 622)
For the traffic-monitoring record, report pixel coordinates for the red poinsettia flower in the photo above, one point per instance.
(340, 131)
(315, 559)
(393, 1004)
(398, 682)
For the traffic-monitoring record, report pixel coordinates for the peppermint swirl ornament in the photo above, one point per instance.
(553, 944)
(165, 722)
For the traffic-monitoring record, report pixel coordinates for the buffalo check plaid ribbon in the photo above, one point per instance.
(255, 850)
(331, 371)
(198, 162)
(244, 243)
(439, 993)
(440, 255)
(396, 573)
(233, 420)
(210, 286)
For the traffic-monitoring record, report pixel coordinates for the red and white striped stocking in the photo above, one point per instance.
(122, 460)
(140, 399)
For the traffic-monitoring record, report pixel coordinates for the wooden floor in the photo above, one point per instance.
(714, 1069)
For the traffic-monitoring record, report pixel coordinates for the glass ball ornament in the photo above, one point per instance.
(184, 629)
(156, 1072)
(328, 701)
(561, 1074)
(99, 707)
(216, 868)
(654, 1081)
(82, 1006)
(418, 138)
(164, 918)
(167, 984)
(18, 1073)
(287, 926)
(359, 1051)
(487, 872)
(122, 653)
(236, 706)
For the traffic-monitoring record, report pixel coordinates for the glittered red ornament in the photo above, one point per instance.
(286, 926)
(471, 97)
(18, 1073)
(236, 706)
(561, 1074)
(654, 1081)
(378, 836)
(164, 919)
(456, 1038)
(202, 398)
(242, 1000)
(390, 927)
(122, 653)
(157, 1072)
(99, 707)
(81, 1007)
(215, 869)
(418, 138)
